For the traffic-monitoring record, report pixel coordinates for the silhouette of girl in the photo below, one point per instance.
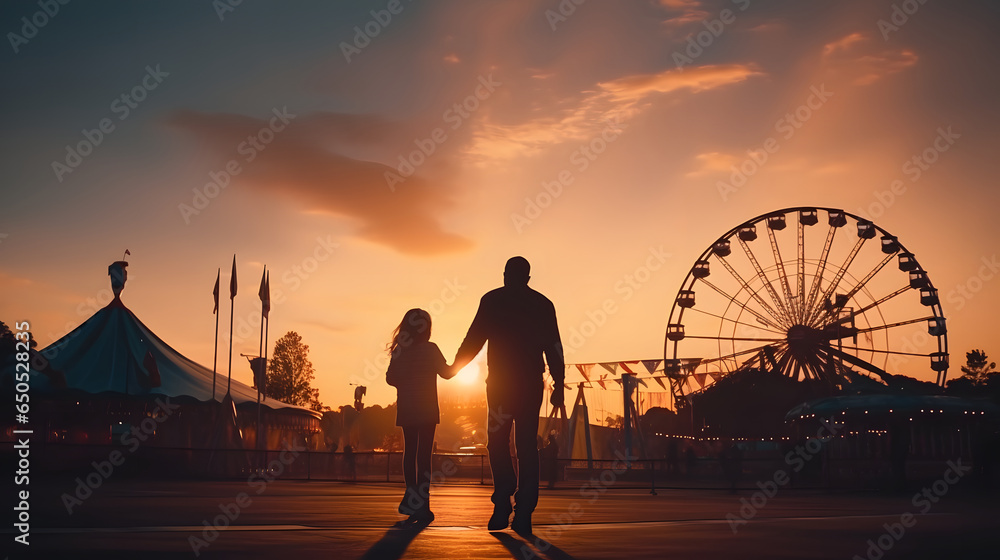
(415, 362)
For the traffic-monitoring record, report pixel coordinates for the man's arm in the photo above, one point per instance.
(555, 360)
(474, 339)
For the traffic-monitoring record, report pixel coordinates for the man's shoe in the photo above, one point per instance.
(522, 524)
(404, 504)
(404, 508)
(500, 518)
(422, 517)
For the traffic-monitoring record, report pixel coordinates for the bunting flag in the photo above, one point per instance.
(232, 281)
(265, 293)
(215, 292)
(686, 371)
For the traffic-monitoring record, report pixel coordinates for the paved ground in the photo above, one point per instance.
(302, 520)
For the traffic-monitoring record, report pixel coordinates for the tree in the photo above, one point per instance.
(289, 373)
(978, 368)
(8, 343)
(314, 402)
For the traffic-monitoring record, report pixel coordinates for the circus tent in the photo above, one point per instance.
(114, 352)
(113, 375)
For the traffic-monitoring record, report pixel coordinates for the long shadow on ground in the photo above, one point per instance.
(393, 544)
(531, 547)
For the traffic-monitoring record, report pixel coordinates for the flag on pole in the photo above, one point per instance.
(215, 292)
(232, 310)
(259, 367)
(232, 281)
(265, 294)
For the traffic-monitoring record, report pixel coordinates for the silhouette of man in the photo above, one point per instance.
(520, 325)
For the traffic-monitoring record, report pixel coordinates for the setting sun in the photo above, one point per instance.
(469, 374)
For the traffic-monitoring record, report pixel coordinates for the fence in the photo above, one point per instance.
(819, 471)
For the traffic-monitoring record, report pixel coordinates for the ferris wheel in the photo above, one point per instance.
(779, 293)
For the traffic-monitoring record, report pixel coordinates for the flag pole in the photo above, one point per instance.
(232, 306)
(263, 315)
(267, 324)
(267, 316)
(215, 359)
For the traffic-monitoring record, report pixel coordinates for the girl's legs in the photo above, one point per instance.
(424, 447)
(410, 442)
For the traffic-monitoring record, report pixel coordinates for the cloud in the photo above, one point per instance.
(695, 79)
(862, 61)
(582, 118)
(713, 162)
(306, 163)
(687, 11)
(843, 44)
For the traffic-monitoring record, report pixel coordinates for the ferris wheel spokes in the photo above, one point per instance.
(734, 321)
(820, 270)
(780, 264)
(743, 306)
(837, 278)
(867, 278)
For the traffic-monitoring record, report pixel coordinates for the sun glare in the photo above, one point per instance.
(469, 375)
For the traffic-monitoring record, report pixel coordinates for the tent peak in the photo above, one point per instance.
(119, 275)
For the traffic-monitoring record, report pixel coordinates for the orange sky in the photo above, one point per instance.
(623, 133)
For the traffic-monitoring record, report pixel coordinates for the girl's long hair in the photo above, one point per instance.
(415, 327)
